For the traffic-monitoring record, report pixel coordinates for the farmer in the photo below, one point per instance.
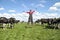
(30, 19)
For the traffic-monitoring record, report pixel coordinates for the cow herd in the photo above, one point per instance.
(4, 21)
(52, 22)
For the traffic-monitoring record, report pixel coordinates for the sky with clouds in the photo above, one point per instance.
(18, 9)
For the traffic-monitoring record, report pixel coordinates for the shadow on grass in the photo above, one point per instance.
(27, 27)
(1, 27)
(50, 27)
(37, 25)
(8, 28)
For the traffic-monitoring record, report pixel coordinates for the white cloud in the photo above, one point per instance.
(55, 7)
(57, 4)
(40, 5)
(11, 11)
(24, 16)
(1, 8)
(37, 5)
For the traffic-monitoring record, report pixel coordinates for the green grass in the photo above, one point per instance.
(22, 31)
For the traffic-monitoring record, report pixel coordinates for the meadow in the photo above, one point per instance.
(23, 31)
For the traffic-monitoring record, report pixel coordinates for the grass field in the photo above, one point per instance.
(22, 31)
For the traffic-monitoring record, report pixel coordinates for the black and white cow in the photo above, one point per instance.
(11, 22)
(3, 22)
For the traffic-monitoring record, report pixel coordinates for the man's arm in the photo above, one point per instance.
(27, 12)
(33, 11)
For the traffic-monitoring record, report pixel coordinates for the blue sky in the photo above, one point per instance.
(23, 5)
(20, 6)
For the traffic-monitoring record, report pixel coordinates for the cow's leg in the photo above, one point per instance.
(41, 22)
(55, 26)
(59, 25)
(1, 25)
(4, 25)
(11, 26)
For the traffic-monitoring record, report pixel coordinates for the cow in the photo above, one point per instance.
(49, 22)
(16, 21)
(3, 21)
(37, 21)
(56, 23)
(52, 22)
(11, 22)
(44, 21)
